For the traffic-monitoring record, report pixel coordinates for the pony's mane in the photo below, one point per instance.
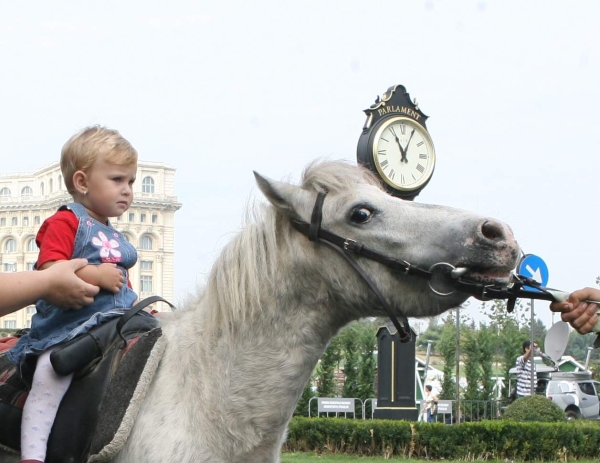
(336, 176)
(233, 287)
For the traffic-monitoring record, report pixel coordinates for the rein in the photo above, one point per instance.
(348, 248)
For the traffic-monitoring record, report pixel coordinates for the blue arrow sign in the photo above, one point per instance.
(534, 267)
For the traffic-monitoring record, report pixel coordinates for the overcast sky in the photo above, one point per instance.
(218, 89)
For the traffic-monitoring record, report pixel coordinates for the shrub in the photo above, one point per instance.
(534, 408)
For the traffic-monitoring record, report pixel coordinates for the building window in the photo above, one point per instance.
(25, 221)
(146, 265)
(142, 217)
(26, 191)
(15, 221)
(36, 220)
(5, 192)
(42, 188)
(31, 246)
(10, 266)
(3, 222)
(146, 243)
(154, 218)
(50, 187)
(29, 265)
(146, 284)
(31, 309)
(59, 182)
(131, 216)
(10, 245)
(10, 324)
(148, 185)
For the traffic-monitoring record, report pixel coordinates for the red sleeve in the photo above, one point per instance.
(56, 238)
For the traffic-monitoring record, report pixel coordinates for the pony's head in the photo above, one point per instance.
(357, 208)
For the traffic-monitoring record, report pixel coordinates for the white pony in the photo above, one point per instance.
(239, 356)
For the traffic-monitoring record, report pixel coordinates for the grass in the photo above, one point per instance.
(314, 458)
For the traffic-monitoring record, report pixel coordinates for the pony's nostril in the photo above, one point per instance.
(493, 230)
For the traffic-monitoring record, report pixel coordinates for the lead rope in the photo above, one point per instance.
(402, 326)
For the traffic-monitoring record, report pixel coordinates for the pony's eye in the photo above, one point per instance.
(361, 215)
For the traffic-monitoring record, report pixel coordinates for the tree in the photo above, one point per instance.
(303, 403)
(478, 347)
(447, 350)
(351, 357)
(328, 363)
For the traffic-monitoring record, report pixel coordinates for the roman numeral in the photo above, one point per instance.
(422, 156)
(403, 129)
(420, 168)
(402, 180)
(392, 174)
(384, 164)
(382, 152)
(420, 143)
(393, 131)
(413, 176)
(387, 141)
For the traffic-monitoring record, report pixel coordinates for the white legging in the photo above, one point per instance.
(47, 391)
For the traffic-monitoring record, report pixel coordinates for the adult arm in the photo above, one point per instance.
(579, 314)
(58, 284)
(107, 276)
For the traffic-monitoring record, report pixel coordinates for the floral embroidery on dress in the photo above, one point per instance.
(108, 251)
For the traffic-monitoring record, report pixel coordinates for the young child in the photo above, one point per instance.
(99, 168)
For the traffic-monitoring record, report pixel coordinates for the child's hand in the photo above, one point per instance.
(111, 277)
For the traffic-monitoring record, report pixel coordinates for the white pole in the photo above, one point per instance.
(532, 350)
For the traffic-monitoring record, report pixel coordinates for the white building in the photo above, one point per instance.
(28, 198)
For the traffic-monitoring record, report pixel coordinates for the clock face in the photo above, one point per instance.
(403, 153)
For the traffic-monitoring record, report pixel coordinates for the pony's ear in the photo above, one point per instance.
(290, 200)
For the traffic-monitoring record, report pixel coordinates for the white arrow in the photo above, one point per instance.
(536, 275)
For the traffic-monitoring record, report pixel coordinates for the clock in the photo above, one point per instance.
(396, 145)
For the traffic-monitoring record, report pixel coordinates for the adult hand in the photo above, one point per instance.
(64, 288)
(579, 314)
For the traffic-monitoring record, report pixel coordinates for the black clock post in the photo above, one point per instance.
(395, 376)
(396, 145)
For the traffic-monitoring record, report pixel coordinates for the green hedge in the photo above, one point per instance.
(481, 440)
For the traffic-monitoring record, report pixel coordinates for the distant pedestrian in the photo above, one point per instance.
(524, 370)
(428, 403)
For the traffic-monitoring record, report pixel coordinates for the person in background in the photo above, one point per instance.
(426, 408)
(579, 314)
(58, 284)
(524, 363)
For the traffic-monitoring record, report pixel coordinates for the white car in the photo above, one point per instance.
(576, 394)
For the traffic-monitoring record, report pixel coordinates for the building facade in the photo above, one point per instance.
(27, 199)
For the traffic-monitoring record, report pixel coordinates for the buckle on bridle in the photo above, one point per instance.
(349, 244)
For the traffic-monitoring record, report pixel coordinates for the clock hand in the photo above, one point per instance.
(408, 143)
(402, 152)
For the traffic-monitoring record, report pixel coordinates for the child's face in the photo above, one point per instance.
(109, 189)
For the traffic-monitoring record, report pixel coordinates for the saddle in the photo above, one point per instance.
(113, 366)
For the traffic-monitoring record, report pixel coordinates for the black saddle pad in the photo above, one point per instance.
(90, 417)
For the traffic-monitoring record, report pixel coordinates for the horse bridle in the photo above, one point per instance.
(348, 247)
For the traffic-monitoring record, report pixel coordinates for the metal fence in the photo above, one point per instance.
(470, 410)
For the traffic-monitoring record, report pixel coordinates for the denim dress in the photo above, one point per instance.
(98, 243)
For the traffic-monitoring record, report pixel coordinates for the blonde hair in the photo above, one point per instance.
(86, 146)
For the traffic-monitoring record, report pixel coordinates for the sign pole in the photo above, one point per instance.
(534, 267)
(532, 350)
